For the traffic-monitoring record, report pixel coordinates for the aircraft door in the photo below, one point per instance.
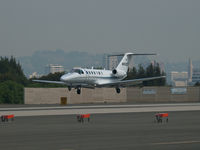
(85, 76)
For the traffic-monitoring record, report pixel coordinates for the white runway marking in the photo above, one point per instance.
(99, 109)
(103, 106)
(176, 142)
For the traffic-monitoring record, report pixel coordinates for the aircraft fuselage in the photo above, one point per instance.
(92, 77)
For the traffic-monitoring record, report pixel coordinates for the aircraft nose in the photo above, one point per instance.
(62, 78)
(66, 77)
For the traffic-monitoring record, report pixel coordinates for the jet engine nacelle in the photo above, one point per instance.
(118, 73)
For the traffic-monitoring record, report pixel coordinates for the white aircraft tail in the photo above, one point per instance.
(124, 63)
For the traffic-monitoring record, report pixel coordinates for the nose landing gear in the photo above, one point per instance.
(117, 90)
(78, 89)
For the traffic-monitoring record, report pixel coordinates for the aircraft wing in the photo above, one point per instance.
(125, 83)
(61, 82)
(47, 81)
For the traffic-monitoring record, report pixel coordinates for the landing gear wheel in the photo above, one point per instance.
(78, 91)
(118, 90)
(69, 88)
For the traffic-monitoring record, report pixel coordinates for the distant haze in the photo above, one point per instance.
(168, 27)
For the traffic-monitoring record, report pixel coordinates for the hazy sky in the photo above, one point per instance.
(168, 27)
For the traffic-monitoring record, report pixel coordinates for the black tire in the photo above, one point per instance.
(78, 91)
(69, 88)
(118, 90)
(2, 119)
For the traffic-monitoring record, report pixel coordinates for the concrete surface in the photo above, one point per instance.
(99, 109)
(104, 131)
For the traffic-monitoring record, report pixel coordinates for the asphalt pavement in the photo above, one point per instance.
(117, 131)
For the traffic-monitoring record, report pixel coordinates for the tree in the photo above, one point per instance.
(131, 74)
(12, 81)
(11, 70)
(150, 71)
(154, 71)
(141, 72)
(134, 72)
(11, 93)
(52, 77)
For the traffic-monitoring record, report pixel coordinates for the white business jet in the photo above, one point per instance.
(91, 78)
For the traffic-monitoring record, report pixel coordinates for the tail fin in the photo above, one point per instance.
(124, 63)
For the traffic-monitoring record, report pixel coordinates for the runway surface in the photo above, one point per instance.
(98, 109)
(110, 131)
(104, 131)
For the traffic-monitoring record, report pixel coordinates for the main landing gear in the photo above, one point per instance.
(78, 90)
(117, 90)
(69, 88)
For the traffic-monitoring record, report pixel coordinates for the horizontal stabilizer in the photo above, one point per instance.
(137, 54)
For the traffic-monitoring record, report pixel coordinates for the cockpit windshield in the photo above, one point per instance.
(79, 71)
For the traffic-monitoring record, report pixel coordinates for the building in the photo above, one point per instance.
(162, 67)
(195, 76)
(190, 71)
(111, 62)
(105, 61)
(53, 68)
(179, 78)
(34, 75)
